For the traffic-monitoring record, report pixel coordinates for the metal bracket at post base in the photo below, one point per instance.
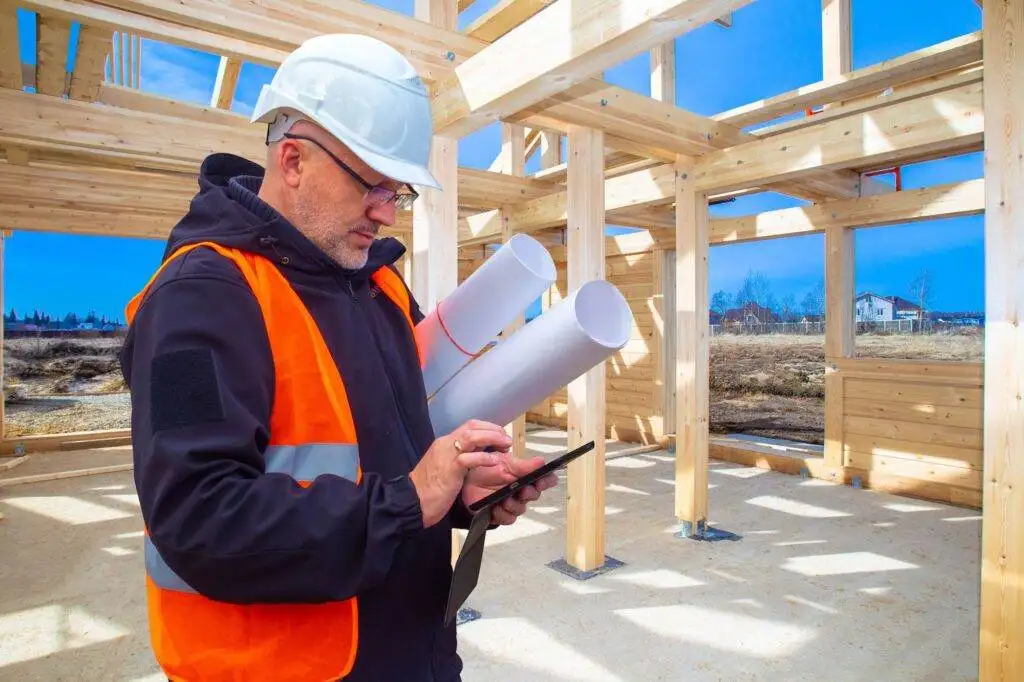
(704, 532)
(563, 566)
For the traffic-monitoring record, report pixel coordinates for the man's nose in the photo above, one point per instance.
(383, 214)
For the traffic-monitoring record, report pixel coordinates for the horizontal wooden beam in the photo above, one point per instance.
(907, 206)
(163, 135)
(115, 19)
(503, 17)
(564, 44)
(949, 121)
(930, 61)
(897, 93)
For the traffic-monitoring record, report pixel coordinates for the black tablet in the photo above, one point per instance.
(538, 473)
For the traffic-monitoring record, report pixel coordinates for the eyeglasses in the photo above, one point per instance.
(376, 195)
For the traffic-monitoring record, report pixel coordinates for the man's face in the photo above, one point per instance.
(332, 206)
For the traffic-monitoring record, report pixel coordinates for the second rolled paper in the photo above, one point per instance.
(570, 338)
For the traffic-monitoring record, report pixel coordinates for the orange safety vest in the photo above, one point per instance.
(311, 433)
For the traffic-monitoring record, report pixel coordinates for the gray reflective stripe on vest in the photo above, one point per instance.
(306, 462)
(160, 572)
(301, 462)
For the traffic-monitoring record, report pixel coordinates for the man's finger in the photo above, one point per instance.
(528, 494)
(514, 506)
(472, 460)
(471, 440)
(502, 517)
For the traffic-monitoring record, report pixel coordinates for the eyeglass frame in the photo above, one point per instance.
(384, 195)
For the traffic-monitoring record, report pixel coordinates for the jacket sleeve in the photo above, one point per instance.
(199, 367)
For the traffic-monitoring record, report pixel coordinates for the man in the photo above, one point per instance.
(298, 505)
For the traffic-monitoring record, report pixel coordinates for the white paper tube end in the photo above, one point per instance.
(533, 256)
(603, 313)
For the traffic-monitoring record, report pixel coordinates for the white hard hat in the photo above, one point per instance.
(363, 92)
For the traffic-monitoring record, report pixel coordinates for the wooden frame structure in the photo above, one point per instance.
(632, 160)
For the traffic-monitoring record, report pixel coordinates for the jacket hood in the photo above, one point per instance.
(227, 210)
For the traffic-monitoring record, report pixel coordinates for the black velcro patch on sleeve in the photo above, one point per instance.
(184, 389)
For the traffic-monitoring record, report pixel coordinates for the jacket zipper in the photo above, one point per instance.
(399, 410)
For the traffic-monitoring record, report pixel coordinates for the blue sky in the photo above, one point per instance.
(773, 46)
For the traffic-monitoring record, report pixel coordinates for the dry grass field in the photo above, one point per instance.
(767, 385)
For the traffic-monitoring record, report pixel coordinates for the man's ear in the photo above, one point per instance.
(290, 159)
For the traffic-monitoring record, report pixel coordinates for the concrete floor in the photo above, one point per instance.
(827, 583)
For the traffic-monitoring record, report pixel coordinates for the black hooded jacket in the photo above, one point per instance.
(198, 364)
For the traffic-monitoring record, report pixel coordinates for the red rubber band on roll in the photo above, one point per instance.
(448, 334)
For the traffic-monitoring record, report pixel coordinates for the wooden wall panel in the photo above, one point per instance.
(914, 428)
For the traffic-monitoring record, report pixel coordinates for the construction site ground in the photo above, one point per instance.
(824, 582)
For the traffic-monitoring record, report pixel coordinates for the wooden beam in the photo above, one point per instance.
(228, 71)
(562, 45)
(836, 38)
(931, 61)
(435, 233)
(53, 35)
(584, 541)
(1001, 650)
(90, 63)
(692, 376)
(10, 56)
(907, 206)
(503, 17)
(115, 19)
(513, 152)
(839, 336)
(897, 93)
(949, 122)
(663, 72)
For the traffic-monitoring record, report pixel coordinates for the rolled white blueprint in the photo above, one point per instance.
(472, 315)
(575, 335)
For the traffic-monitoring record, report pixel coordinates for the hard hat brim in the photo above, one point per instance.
(398, 171)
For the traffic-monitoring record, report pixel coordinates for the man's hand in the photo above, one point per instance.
(484, 480)
(441, 473)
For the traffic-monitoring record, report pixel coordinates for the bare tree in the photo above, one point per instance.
(921, 290)
(789, 308)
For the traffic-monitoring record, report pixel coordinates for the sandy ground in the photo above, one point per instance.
(826, 583)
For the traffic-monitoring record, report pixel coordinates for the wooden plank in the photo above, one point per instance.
(228, 71)
(904, 467)
(563, 45)
(886, 411)
(90, 63)
(907, 206)
(947, 122)
(935, 434)
(62, 441)
(692, 351)
(52, 54)
(503, 17)
(918, 371)
(584, 541)
(935, 453)
(1001, 653)
(903, 391)
(914, 487)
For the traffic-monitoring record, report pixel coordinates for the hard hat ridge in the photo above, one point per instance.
(364, 93)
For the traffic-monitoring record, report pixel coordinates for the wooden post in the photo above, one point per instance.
(3, 379)
(585, 256)
(514, 162)
(663, 88)
(839, 338)
(836, 38)
(692, 352)
(435, 227)
(1001, 651)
